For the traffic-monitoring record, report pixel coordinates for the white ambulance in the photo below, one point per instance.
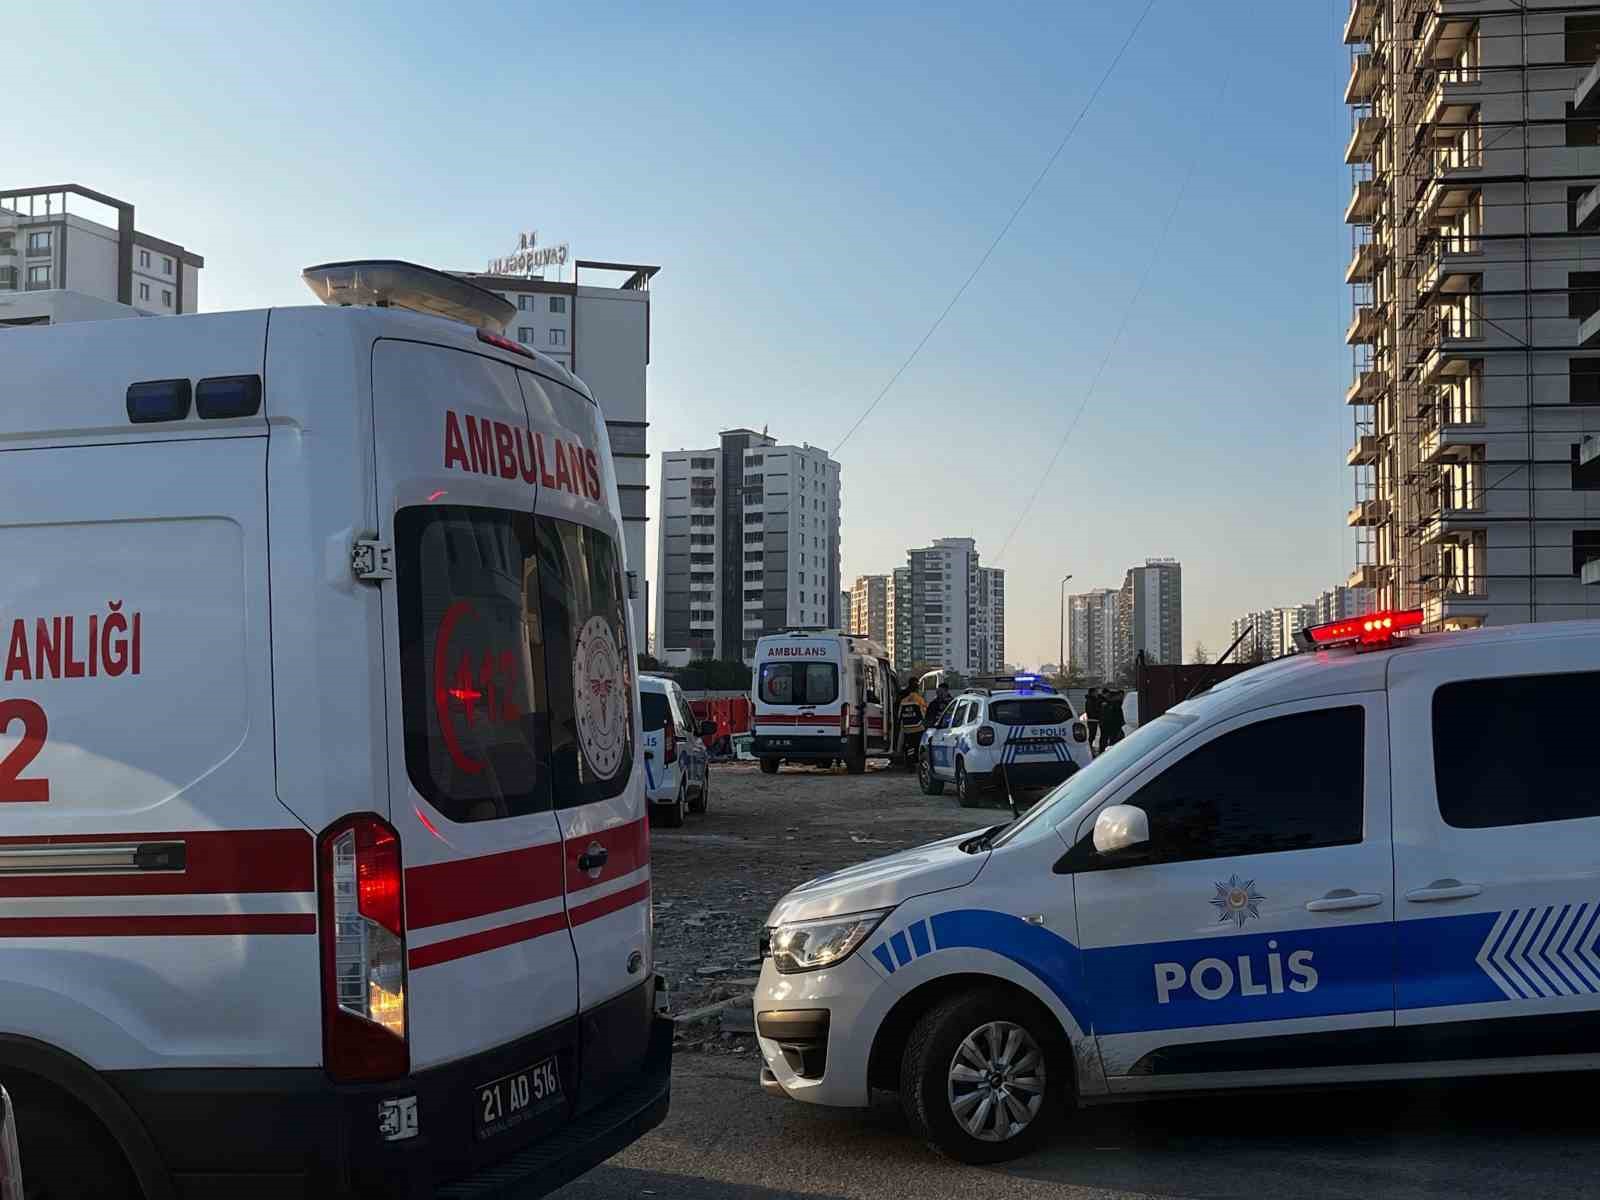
(324, 861)
(821, 696)
(1319, 871)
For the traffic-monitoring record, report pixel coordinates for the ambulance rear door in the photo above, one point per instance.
(590, 672)
(489, 955)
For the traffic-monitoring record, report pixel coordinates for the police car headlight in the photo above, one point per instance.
(812, 945)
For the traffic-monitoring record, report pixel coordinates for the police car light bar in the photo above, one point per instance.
(1373, 629)
(390, 283)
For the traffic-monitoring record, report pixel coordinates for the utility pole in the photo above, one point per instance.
(1061, 648)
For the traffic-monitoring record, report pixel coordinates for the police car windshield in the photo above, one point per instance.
(1083, 784)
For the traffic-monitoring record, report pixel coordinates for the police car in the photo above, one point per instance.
(996, 739)
(676, 764)
(325, 865)
(1318, 871)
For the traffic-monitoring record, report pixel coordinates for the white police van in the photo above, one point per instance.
(1003, 739)
(677, 770)
(324, 865)
(1319, 871)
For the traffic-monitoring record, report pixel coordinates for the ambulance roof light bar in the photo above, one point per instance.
(1371, 630)
(390, 283)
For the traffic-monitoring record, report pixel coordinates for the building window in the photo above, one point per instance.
(144, 291)
(1582, 40)
(1583, 294)
(522, 302)
(39, 242)
(558, 337)
(1585, 546)
(1584, 385)
(166, 297)
(1581, 132)
(166, 266)
(524, 334)
(558, 304)
(8, 278)
(144, 259)
(38, 277)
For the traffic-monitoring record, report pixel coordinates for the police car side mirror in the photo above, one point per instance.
(708, 729)
(1121, 830)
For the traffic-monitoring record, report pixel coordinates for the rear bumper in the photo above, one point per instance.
(250, 1133)
(1031, 775)
(798, 746)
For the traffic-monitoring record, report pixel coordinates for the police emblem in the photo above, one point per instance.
(1237, 901)
(601, 696)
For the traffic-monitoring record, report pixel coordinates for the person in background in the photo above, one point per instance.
(936, 707)
(1091, 717)
(1111, 719)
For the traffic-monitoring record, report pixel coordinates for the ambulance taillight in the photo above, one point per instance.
(844, 720)
(1372, 629)
(363, 951)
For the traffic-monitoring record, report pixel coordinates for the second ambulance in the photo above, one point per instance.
(1320, 871)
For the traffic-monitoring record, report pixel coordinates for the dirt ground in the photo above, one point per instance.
(716, 878)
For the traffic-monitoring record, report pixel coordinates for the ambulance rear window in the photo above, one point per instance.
(1052, 711)
(799, 682)
(515, 669)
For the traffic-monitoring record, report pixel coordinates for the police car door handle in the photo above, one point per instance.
(1444, 889)
(1343, 899)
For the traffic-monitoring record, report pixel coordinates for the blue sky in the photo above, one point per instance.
(815, 182)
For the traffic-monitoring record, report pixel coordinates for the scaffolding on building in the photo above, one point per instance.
(1474, 158)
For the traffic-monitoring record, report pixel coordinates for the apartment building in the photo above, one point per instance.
(748, 544)
(1269, 633)
(956, 607)
(1150, 614)
(869, 608)
(1342, 602)
(598, 327)
(1092, 633)
(898, 604)
(70, 253)
(1475, 160)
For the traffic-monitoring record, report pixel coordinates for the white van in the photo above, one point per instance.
(324, 862)
(1319, 871)
(677, 769)
(822, 697)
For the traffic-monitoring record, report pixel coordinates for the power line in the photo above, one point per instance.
(1127, 314)
(1004, 229)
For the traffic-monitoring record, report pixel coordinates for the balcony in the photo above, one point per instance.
(1363, 18)
(1364, 139)
(1442, 34)
(1588, 449)
(1364, 263)
(1365, 202)
(1589, 331)
(1454, 520)
(1368, 386)
(1588, 209)
(1456, 607)
(1365, 452)
(1449, 352)
(1450, 104)
(1364, 326)
(1449, 441)
(1367, 512)
(1364, 576)
(1586, 96)
(1449, 266)
(1363, 79)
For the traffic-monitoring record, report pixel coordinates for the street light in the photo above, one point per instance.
(1061, 649)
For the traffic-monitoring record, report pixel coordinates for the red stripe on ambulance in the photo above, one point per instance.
(441, 893)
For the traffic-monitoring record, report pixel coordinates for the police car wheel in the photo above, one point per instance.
(698, 804)
(670, 816)
(769, 766)
(967, 792)
(930, 786)
(978, 1081)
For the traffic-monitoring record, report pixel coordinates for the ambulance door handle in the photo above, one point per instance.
(1444, 889)
(1343, 900)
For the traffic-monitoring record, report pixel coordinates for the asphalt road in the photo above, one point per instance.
(716, 878)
